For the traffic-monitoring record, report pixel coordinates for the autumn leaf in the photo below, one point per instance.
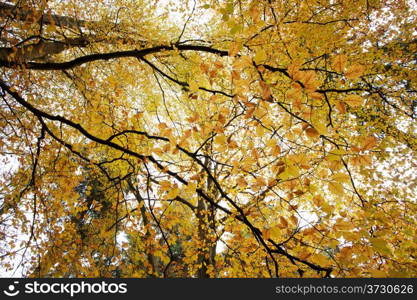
(174, 192)
(266, 234)
(294, 220)
(193, 86)
(234, 48)
(201, 140)
(309, 81)
(339, 63)
(312, 132)
(220, 139)
(340, 106)
(316, 96)
(266, 91)
(242, 182)
(380, 245)
(354, 100)
(354, 71)
(294, 71)
(283, 222)
(369, 142)
(260, 56)
(341, 178)
(336, 188)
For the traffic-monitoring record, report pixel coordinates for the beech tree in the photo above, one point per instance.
(227, 138)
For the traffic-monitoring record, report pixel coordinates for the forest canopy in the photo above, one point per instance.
(208, 138)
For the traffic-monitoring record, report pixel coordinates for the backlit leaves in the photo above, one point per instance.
(219, 141)
(339, 63)
(354, 100)
(354, 71)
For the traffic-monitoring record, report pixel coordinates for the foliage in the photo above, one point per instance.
(208, 139)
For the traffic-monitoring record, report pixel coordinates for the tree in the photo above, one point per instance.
(209, 139)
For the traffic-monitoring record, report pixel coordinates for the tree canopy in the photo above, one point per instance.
(227, 138)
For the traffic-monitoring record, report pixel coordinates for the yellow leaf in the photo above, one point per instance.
(235, 29)
(354, 100)
(339, 63)
(321, 260)
(242, 62)
(234, 48)
(316, 96)
(260, 56)
(338, 152)
(343, 225)
(340, 106)
(294, 94)
(193, 86)
(275, 232)
(266, 91)
(165, 185)
(241, 182)
(296, 103)
(195, 117)
(309, 81)
(275, 150)
(173, 193)
(328, 209)
(341, 178)
(321, 127)
(254, 12)
(271, 143)
(380, 245)
(294, 72)
(259, 182)
(336, 188)
(220, 139)
(293, 170)
(362, 160)
(369, 143)
(354, 71)
(318, 200)
(260, 131)
(191, 187)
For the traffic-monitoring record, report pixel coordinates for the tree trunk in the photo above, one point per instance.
(40, 50)
(205, 216)
(29, 14)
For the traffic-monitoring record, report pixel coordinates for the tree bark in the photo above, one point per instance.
(40, 50)
(28, 14)
(205, 216)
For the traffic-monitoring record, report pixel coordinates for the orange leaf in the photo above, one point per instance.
(369, 143)
(312, 132)
(339, 63)
(354, 71)
(354, 100)
(340, 107)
